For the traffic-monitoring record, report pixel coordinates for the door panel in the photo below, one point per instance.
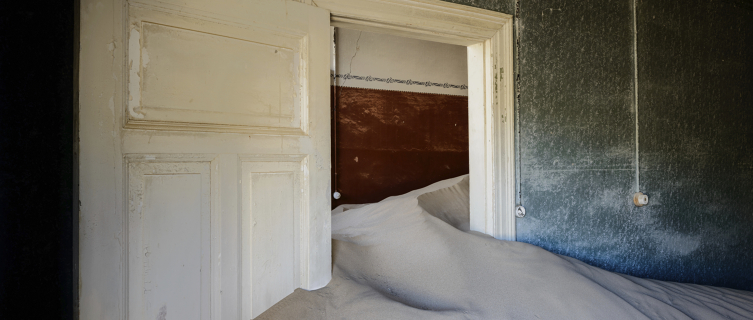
(199, 75)
(169, 237)
(204, 157)
(272, 205)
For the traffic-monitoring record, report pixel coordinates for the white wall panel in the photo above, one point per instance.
(218, 74)
(273, 213)
(171, 235)
(191, 74)
(169, 211)
(273, 267)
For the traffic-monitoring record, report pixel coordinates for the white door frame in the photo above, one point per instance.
(488, 36)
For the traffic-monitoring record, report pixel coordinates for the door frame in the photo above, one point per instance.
(489, 38)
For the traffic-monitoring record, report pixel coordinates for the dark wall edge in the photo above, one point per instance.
(75, 205)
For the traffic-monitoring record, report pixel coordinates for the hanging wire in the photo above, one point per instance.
(334, 113)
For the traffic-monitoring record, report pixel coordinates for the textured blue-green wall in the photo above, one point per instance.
(695, 71)
(506, 6)
(577, 127)
(576, 140)
(577, 136)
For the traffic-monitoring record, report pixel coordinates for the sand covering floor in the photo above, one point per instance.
(412, 257)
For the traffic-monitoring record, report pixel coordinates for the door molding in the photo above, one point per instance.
(179, 159)
(140, 166)
(488, 36)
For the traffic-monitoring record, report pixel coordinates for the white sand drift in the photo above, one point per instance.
(412, 257)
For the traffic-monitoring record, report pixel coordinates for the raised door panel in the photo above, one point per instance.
(274, 215)
(191, 73)
(169, 211)
(163, 83)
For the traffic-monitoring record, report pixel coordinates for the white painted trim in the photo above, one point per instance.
(503, 147)
(132, 229)
(423, 19)
(488, 36)
(303, 226)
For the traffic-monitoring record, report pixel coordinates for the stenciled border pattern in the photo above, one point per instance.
(406, 82)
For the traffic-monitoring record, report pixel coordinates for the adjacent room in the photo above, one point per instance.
(400, 115)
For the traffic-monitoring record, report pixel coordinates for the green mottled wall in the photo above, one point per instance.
(506, 6)
(577, 127)
(576, 134)
(695, 71)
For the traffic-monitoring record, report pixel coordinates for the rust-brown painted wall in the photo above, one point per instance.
(391, 142)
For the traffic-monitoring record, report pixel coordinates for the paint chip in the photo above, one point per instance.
(162, 313)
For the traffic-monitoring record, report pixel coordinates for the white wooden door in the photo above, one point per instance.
(205, 157)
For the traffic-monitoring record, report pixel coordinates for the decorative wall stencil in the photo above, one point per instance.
(406, 82)
(379, 61)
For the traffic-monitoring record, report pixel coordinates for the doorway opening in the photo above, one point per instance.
(399, 115)
(488, 38)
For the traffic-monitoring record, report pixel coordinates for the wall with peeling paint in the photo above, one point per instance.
(401, 115)
(386, 62)
(577, 127)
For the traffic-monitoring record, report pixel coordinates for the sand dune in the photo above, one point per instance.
(412, 257)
